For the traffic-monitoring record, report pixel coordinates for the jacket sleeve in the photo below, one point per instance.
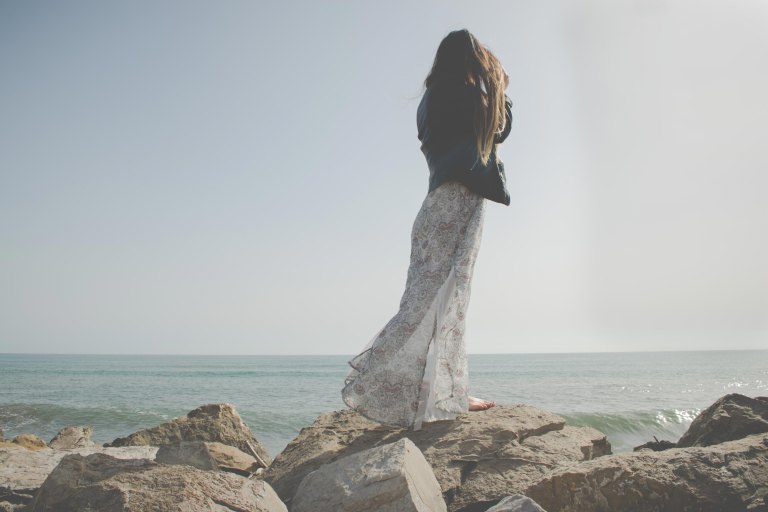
(502, 135)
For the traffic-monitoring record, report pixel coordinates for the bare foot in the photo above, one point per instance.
(478, 404)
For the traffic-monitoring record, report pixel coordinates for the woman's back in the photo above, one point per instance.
(445, 122)
(445, 116)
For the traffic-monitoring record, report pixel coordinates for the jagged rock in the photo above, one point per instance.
(214, 422)
(101, 482)
(73, 437)
(732, 417)
(516, 503)
(24, 471)
(29, 441)
(731, 476)
(395, 476)
(209, 456)
(478, 458)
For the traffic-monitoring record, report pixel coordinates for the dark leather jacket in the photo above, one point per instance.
(445, 129)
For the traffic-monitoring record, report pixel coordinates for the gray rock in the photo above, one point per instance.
(73, 437)
(214, 422)
(101, 482)
(393, 477)
(732, 417)
(208, 456)
(516, 503)
(478, 458)
(730, 476)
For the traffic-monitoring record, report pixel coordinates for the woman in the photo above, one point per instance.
(415, 369)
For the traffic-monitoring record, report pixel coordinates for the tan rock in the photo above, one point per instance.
(29, 441)
(214, 422)
(101, 482)
(23, 471)
(229, 457)
(73, 437)
(731, 417)
(479, 457)
(392, 477)
(731, 476)
(191, 453)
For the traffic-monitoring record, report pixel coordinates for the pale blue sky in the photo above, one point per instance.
(242, 177)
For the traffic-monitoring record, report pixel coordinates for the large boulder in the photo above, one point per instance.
(214, 422)
(732, 417)
(478, 458)
(23, 471)
(101, 482)
(395, 476)
(73, 437)
(208, 455)
(731, 476)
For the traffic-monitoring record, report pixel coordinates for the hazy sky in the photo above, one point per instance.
(242, 177)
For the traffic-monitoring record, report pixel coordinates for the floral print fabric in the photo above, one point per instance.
(415, 368)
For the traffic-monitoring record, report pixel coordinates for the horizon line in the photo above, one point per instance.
(352, 355)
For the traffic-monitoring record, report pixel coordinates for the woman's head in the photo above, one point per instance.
(461, 59)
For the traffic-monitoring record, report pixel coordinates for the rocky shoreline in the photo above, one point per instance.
(508, 458)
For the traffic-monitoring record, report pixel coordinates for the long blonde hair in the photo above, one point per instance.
(461, 57)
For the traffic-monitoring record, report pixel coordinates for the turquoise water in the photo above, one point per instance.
(629, 396)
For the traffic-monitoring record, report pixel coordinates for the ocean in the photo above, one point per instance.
(631, 397)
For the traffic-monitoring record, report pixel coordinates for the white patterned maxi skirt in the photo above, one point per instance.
(415, 369)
